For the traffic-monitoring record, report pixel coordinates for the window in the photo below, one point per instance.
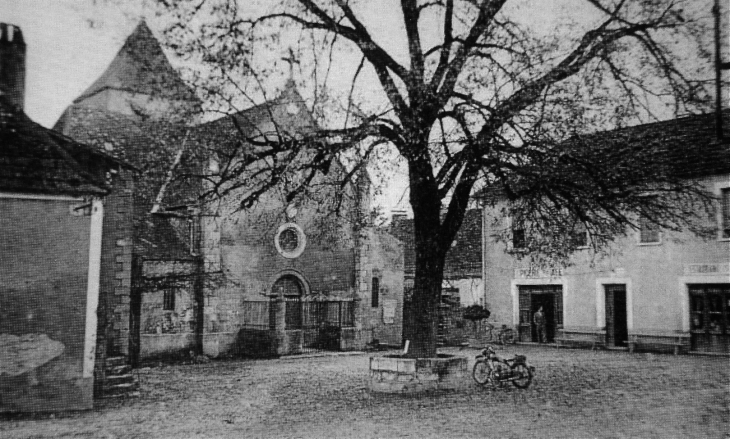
(710, 308)
(376, 293)
(168, 299)
(518, 238)
(648, 232)
(725, 213)
(580, 236)
(290, 240)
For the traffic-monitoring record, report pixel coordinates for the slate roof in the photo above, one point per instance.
(34, 159)
(688, 146)
(464, 259)
(142, 67)
(150, 146)
(689, 143)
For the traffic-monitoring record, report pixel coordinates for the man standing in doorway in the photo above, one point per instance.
(539, 320)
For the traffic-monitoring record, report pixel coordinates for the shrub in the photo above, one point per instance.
(476, 312)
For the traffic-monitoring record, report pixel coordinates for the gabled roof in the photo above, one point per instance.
(34, 159)
(287, 112)
(464, 259)
(141, 67)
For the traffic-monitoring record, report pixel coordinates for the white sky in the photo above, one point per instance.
(71, 42)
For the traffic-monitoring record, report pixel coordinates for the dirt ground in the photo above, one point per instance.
(575, 394)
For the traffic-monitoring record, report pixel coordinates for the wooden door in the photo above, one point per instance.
(616, 317)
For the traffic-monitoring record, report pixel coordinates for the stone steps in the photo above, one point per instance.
(119, 380)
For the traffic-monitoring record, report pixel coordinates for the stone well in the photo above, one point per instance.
(395, 374)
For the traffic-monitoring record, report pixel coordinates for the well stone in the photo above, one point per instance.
(395, 374)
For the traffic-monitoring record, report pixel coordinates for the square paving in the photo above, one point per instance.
(575, 394)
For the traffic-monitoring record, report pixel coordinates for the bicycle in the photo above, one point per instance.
(503, 335)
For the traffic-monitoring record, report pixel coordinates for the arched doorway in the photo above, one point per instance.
(290, 288)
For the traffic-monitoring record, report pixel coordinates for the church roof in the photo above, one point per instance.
(141, 67)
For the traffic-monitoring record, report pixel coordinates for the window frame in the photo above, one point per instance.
(375, 292)
(514, 230)
(703, 315)
(301, 241)
(169, 299)
(643, 221)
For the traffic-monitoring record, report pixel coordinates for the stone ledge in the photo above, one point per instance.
(414, 375)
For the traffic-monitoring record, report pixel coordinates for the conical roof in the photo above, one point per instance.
(142, 67)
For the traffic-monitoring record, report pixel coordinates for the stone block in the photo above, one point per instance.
(388, 364)
(407, 366)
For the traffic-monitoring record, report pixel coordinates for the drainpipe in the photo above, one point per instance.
(196, 250)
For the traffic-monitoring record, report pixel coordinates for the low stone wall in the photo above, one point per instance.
(413, 375)
(219, 343)
(254, 342)
(166, 345)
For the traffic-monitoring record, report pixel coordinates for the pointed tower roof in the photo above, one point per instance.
(141, 67)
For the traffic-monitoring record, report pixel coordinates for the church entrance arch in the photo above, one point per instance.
(290, 288)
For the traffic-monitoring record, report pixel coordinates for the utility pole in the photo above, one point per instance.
(719, 67)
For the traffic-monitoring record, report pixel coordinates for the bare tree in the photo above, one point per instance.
(470, 97)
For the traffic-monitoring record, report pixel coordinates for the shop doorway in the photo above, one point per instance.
(550, 298)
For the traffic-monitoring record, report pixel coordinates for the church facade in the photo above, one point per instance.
(273, 279)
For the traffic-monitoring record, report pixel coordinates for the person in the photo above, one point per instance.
(539, 320)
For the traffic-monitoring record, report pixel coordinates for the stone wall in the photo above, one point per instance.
(113, 333)
(167, 329)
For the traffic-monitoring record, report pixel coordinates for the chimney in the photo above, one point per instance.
(12, 64)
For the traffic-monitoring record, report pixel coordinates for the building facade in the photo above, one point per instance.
(655, 289)
(59, 266)
(215, 278)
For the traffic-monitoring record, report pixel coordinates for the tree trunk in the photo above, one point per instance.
(421, 312)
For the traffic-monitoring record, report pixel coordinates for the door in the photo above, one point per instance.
(531, 298)
(546, 301)
(617, 331)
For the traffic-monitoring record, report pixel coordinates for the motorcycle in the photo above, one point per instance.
(492, 369)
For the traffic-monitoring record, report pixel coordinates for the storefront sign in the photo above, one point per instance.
(536, 273)
(708, 269)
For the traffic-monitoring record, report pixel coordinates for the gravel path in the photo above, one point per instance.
(576, 394)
